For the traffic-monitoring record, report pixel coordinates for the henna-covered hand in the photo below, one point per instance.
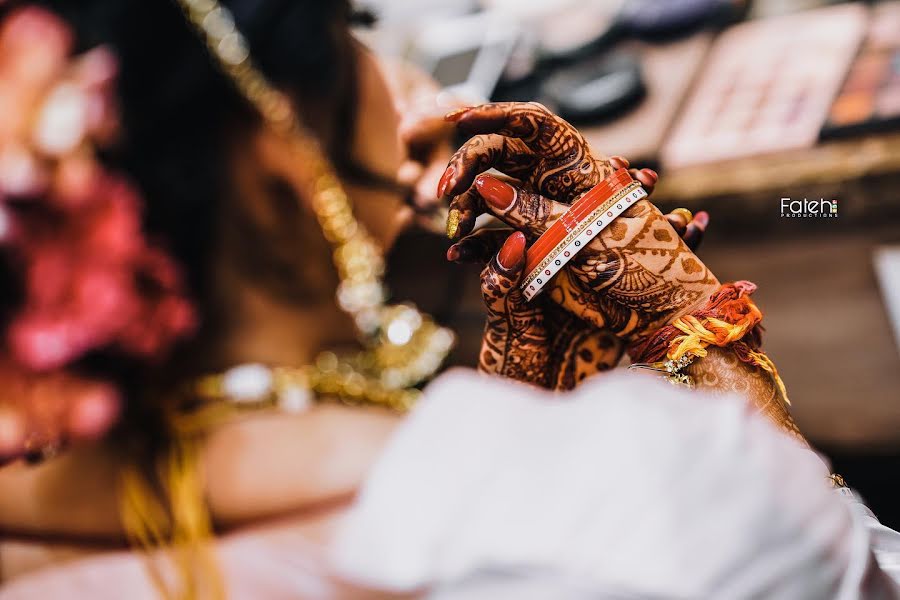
(537, 342)
(636, 276)
(523, 140)
(570, 349)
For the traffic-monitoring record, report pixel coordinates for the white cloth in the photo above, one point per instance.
(626, 488)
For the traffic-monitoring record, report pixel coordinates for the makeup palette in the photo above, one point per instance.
(767, 86)
(869, 99)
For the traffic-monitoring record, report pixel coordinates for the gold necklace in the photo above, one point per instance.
(403, 347)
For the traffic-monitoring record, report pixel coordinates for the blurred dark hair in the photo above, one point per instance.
(178, 109)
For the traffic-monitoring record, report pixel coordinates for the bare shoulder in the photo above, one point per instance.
(273, 464)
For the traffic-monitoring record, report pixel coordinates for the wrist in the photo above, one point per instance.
(725, 316)
(701, 296)
(723, 372)
(666, 319)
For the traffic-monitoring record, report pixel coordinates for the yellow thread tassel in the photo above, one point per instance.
(710, 331)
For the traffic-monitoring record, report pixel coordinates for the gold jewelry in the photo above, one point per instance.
(837, 481)
(671, 370)
(688, 215)
(215, 398)
(403, 346)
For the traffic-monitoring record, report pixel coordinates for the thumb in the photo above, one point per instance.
(500, 278)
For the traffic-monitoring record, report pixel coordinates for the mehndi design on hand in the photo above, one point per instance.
(537, 342)
(635, 276)
(575, 350)
(523, 140)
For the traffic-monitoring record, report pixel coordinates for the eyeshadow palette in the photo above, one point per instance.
(767, 86)
(869, 99)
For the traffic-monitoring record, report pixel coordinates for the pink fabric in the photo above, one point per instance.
(268, 566)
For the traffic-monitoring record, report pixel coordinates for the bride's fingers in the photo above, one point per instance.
(695, 230)
(566, 164)
(677, 220)
(467, 207)
(647, 177)
(517, 207)
(464, 209)
(691, 232)
(478, 247)
(481, 153)
(500, 278)
(524, 120)
(619, 162)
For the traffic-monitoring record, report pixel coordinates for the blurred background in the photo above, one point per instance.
(744, 108)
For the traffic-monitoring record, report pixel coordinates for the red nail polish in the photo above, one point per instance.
(652, 173)
(513, 251)
(445, 179)
(701, 219)
(498, 194)
(455, 115)
(453, 253)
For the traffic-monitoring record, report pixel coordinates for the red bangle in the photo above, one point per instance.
(579, 209)
(587, 217)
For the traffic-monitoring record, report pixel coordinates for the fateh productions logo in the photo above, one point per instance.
(806, 208)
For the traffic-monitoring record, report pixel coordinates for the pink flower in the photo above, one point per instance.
(114, 229)
(34, 46)
(71, 230)
(170, 317)
(76, 179)
(20, 173)
(41, 343)
(7, 225)
(90, 278)
(54, 405)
